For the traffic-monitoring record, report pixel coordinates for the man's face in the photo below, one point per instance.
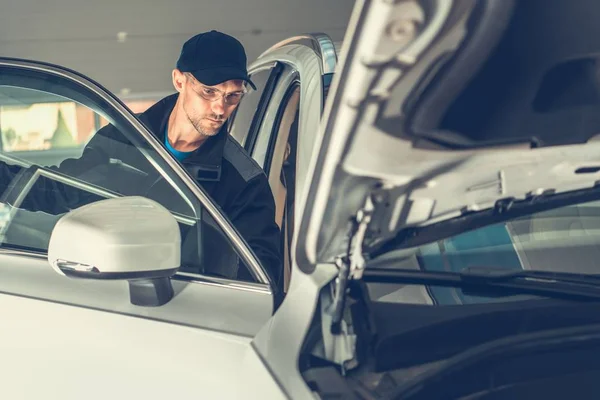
(208, 107)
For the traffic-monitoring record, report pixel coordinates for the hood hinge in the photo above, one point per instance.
(340, 329)
(351, 266)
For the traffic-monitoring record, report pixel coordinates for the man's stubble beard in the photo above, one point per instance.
(197, 123)
(205, 131)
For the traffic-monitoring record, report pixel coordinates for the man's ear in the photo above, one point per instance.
(179, 80)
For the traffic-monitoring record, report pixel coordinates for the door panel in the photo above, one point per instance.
(47, 107)
(65, 352)
(34, 196)
(208, 303)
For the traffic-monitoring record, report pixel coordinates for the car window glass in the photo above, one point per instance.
(282, 125)
(55, 116)
(565, 239)
(244, 114)
(47, 130)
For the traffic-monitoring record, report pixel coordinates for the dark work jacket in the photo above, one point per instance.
(221, 166)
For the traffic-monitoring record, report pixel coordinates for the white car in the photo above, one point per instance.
(442, 234)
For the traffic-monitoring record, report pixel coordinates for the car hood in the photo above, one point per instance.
(444, 111)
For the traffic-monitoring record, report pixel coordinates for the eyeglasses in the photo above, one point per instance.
(213, 94)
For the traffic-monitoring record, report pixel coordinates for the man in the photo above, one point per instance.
(210, 79)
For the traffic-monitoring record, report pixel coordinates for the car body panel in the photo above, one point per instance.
(75, 352)
(281, 340)
(212, 304)
(320, 43)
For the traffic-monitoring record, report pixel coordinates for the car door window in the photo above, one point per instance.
(250, 110)
(58, 113)
(271, 144)
(49, 130)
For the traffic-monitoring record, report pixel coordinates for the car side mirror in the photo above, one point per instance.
(126, 238)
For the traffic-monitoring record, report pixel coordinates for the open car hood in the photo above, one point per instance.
(445, 112)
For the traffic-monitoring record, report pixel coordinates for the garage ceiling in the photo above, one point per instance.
(84, 34)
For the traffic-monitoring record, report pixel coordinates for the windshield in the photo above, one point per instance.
(565, 239)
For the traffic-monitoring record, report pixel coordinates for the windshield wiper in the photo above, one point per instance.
(494, 280)
(502, 274)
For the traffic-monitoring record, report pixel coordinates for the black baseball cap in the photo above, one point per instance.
(214, 57)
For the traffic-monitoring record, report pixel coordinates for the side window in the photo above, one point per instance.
(248, 111)
(52, 129)
(86, 166)
(47, 130)
(271, 142)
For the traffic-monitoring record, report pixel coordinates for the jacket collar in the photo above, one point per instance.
(204, 164)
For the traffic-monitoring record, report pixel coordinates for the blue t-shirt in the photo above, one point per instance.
(180, 155)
